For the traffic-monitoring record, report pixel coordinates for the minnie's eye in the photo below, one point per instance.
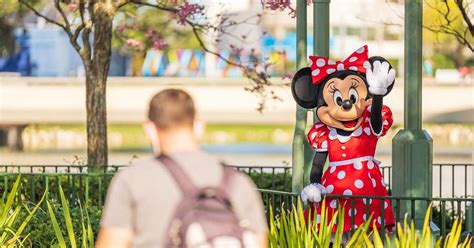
(337, 97)
(353, 95)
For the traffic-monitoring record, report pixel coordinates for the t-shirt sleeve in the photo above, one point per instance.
(387, 121)
(248, 204)
(317, 137)
(118, 209)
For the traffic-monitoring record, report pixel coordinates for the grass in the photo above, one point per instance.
(290, 229)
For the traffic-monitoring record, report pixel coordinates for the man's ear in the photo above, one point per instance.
(304, 91)
(382, 59)
(199, 128)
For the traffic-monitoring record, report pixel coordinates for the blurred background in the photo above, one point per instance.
(42, 89)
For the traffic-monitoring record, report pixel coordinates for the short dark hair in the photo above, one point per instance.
(171, 107)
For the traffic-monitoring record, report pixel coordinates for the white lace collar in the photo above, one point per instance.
(343, 139)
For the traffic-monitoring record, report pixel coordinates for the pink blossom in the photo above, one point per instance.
(134, 44)
(282, 5)
(158, 42)
(186, 10)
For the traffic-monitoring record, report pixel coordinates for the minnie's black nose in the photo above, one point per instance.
(347, 105)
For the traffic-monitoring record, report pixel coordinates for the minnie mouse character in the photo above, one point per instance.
(348, 96)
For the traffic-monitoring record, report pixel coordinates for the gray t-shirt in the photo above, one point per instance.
(144, 196)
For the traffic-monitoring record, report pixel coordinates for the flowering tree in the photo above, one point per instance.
(89, 24)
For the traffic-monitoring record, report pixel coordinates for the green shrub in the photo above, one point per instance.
(14, 217)
(290, 229)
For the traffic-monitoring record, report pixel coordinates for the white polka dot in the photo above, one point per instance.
(324, 145)
(364, 216)
(369, 108)
(359, 184)
(330, 188)
(333, 204)
(330, 62)
(379, 220)
(352, 59)
(385, 122)
(370, 176)
(360, 50)
(343, 147)
(340, 67)
(357, 165)
(341, 175)
(330, 70)
(356, 226)
(322, 133)
(382, 182)
(318, 125)
(353, 68)
(313, 134)
(324, 181)
(344, 155)
(385, 204)
(367, 201)
(315, 72)
(350, 212)
(333, 169)
(367, 130)
(367, 65)
(370, 164)
(374, 183)
(367, 119)
(320, 62)
(347, 192)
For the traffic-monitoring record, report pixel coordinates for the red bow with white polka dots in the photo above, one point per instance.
(321, 67)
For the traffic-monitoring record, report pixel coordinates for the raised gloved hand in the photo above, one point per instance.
(379, 77)
(313, 192)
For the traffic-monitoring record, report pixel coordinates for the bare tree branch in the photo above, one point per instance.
(466, 18)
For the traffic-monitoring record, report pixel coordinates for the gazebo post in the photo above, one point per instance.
(302, 154)
(321, 31)
(412, 146)
(299, 138)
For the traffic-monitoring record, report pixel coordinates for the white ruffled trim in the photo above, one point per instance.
(343, 139)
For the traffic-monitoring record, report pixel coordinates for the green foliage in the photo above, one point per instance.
(290, 229)
(14, 217)
(277, 181)
(41, 229)
(442, 61)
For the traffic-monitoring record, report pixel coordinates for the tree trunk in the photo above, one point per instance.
(96, 82)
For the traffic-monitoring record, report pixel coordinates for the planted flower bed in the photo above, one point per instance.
(81, 187)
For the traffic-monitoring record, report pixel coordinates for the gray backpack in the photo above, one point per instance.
(205, 217)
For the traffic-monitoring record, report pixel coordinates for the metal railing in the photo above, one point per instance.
(82, 183)
(444, 210)
(449, 180)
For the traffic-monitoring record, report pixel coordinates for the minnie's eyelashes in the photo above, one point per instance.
(333, 88)
(354, 83)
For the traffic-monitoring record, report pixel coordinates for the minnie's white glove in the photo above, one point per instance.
(313, 192)
(379, 77)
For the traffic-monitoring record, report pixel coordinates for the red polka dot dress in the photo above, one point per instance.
(353, 170)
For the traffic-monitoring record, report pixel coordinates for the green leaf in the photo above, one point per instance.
(56, 227)
(67, 218)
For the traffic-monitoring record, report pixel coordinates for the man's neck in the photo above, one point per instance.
(175, 141)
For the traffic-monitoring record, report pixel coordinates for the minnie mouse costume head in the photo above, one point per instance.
(348, 97)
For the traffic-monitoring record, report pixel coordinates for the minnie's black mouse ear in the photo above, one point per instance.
(304, 91)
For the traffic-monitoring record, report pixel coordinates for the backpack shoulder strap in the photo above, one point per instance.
(179, 175)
